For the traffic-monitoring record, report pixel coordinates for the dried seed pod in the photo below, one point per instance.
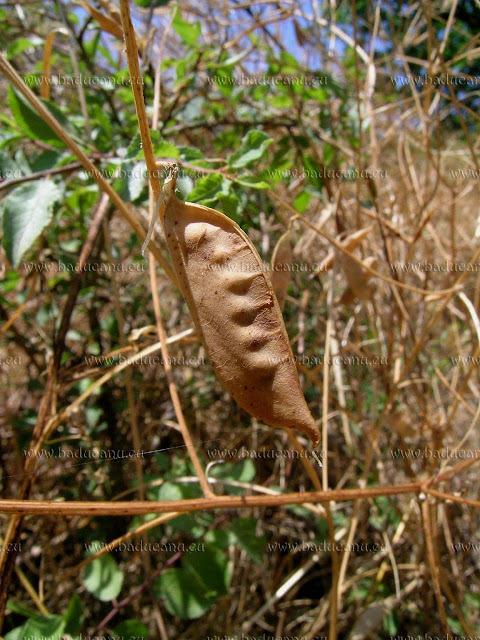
(235, 312)
(281, 265)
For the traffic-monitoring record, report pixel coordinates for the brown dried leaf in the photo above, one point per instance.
(350, 243)
(357, 278)
(107, 23)
(281, 266)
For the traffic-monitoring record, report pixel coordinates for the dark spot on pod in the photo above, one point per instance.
(257, 343)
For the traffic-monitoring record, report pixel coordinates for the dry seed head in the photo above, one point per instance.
(235, 311)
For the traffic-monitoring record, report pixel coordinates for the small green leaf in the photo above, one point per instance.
(31, 124)
(45, 627)
(190, 591)
(164, 149)
(252, 181)
(254, 145)
(224, 80)
(206, 189)
(161, 148)
(188, 31)
(103, 578)
(151, 3)
(46, 160)
(74, 615)
(12, 605)
(8, 167)
(8, 136)
(183, 595)
(179, 491)
(192, 111)
(26, 212)
(20, 45)
(190, 153)
(242, 471)
(244, 530)
(210, 567)
(301, 201)
(228, 204)
(15, 634)
(131, 630)
(132, 180)
(220, 538)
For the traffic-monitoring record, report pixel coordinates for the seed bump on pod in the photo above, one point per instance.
(235, 311)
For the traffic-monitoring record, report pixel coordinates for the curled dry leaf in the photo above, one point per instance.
(109, 23)
(281, 265)
(350, 243)
(402, 423)
(359, 286)
(357, 277)
(234, 309)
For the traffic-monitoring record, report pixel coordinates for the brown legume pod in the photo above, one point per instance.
(235, 312)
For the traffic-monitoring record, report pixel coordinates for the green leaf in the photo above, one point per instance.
(12, 605)
(184, 596)
(8, 167)
(190, 153)
(282, 102)
(228, 204)
(242, 471)
(31, 124)
(45, 627)
(190, 591)
(74, 615)
(313, 171)
(20, 45)
(179, 491)
(23, 162)
(244, 530)
(252, 181)
(210, 567)
(7, 136)
(26, 211)
(188, 31)
(301, 201)
(184, 185)
(207, 189)
(151, 3)
(254, 145)
(46, 160)
(103, 578)
(164, 149)
(192, 111)
(132, 180)
(131, 630)
(322, 527)
(220, 538)
(224, 80)
(169, 491)
(161, 148)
